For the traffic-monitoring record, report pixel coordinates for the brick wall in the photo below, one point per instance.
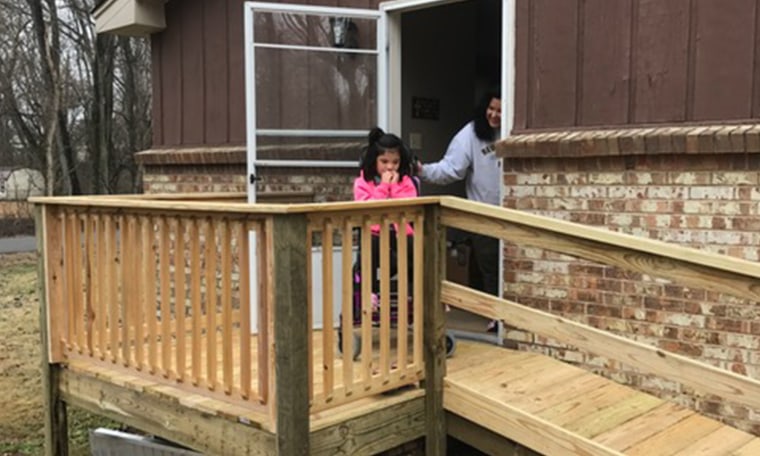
(702, 197)
(224, 170)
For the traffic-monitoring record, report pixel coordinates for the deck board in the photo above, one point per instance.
(582, 410)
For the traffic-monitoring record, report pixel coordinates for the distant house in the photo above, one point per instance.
(20, 183)
(637, 116)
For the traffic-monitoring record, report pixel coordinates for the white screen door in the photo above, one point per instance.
(315, 85)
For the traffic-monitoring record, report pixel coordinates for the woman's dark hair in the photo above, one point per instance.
(378, 142)
(482, 129)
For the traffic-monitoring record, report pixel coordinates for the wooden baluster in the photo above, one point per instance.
(102, 295)
(419, 286)
(241, 230)
(309, 307)
(347, 301)
(328, 343)
(402, 308)
(195, 301)
(211, 297)
(226, 300)
(166, 296)
(366, 302)
(180, 296)
(151, 295)
(385, 298)
(113, 290)
(87, 220)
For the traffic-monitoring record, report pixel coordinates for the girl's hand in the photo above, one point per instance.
(389, 177)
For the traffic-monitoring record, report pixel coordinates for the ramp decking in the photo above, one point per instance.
(555, 408)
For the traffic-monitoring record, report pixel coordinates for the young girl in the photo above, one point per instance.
(386, 173)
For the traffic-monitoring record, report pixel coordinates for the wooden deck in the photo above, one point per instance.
(555, 408)
(147, 308)
(365, 426)
(537, 401)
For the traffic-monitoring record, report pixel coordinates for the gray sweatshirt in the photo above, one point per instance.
(470, 158)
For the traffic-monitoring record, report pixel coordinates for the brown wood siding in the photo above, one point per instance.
(216, 72)
(725, 59)
(193, 86)
(604, 69)
(553, 77)
(236, 55)
(617, 62)
(199, 77)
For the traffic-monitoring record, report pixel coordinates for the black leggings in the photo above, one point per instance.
(393, 260)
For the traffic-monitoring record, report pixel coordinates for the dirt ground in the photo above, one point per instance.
(21, 410)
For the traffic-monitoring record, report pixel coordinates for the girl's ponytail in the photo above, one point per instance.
(374, 135)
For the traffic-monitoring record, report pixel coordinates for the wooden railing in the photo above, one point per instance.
(398, 320)
(658, 259)
(162, 288)
(158, 291)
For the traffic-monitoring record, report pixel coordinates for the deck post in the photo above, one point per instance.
(56, 425)
(291, 332)
(434, 332)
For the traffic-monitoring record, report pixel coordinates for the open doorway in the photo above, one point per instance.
(450, 54)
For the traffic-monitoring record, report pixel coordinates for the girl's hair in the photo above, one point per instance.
(378, 143)
(482, 129)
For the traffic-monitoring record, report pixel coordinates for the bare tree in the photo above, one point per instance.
(74, 104)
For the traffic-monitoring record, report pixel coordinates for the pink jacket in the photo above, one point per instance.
(366, 191)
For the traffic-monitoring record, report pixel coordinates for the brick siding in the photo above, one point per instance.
(696, 187)
(224, 170)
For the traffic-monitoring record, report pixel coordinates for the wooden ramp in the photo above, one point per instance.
(558, 409)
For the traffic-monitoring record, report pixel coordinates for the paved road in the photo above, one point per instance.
(18, 244)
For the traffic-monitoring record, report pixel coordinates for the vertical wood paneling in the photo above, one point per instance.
(725, 49)
(171, 85)
(632, 66)
(554, 62)
(661, 61)
(157, 75)
(756, 66)
(216, 72)
(236, 58)
(605, 63)
(522, 50)
(193, 85)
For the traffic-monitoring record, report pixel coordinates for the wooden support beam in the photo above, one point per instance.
(291, 334)
(380, 429)
(434, 331)
(56, 425)
(166, 416)
(482, 439)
